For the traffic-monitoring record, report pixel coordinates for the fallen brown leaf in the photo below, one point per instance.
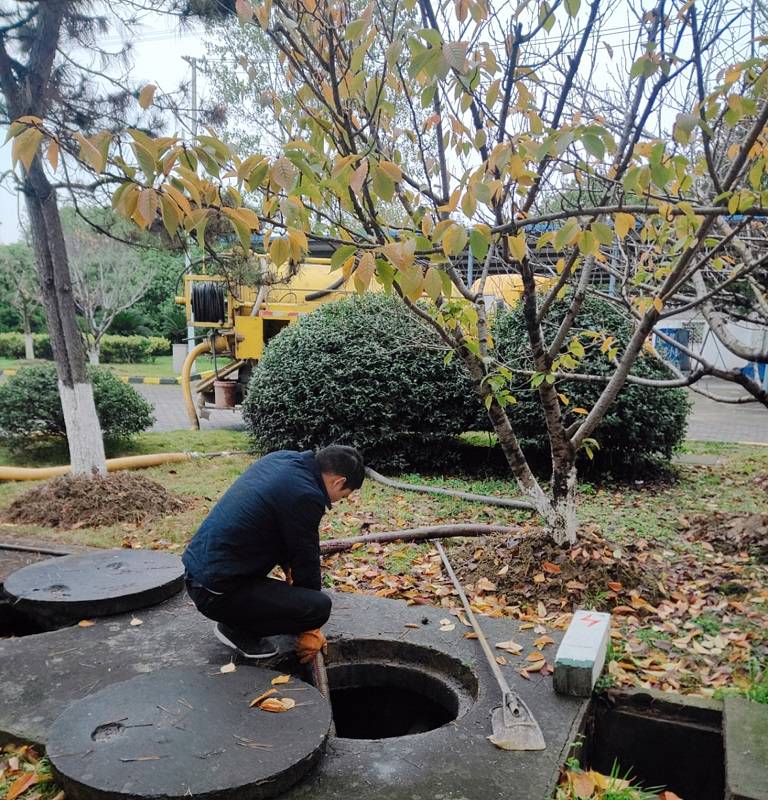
(262, 696)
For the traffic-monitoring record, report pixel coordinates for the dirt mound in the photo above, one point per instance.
(84, 502)
(731, 534)
(591, 573)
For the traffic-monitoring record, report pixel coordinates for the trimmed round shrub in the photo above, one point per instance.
(642, 425)
(30, 405)
(362, 371)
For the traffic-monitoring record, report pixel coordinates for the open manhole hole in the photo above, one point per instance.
(384, 689)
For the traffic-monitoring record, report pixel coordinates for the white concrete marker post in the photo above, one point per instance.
(581, 655)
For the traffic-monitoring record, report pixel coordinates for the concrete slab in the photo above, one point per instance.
(61, 591)
(42, 674)
(745, 736)
(187, 731)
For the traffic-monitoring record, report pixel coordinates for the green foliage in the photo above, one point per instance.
(12, 345)
(643, 425)
(132, 349)
(364, 372)
(114, 349)
(30, 406)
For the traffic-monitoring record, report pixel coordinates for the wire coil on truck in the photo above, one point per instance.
(208, 302)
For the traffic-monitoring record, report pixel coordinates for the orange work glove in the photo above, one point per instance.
(309, 644)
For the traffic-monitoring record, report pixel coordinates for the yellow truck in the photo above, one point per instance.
(235, 320)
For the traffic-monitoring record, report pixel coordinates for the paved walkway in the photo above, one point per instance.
(709, 421)
(170, 414)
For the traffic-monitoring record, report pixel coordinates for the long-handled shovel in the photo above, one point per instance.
(513, 725)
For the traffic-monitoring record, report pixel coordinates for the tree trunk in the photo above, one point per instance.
(86, 448)
(562, 519)
(29, 342)
(93, 354)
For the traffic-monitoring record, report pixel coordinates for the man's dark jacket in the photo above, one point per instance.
(270, 515)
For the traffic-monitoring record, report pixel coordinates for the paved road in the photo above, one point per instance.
(709, 420)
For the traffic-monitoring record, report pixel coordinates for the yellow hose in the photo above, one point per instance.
(113, 465)
(186, 371)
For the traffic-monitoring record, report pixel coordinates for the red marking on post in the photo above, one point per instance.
(589, 620)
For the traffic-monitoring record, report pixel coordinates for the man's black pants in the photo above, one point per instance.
(263, 606)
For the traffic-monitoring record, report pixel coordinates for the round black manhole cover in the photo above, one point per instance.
(185, 732)
(60, 591)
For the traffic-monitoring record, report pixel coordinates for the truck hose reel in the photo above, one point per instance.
(208, 302)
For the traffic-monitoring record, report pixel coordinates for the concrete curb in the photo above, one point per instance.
(154, 380)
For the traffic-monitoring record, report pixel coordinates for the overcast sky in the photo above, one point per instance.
(159, 51)
(160, 48)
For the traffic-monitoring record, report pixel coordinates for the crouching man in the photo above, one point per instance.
(270, 516)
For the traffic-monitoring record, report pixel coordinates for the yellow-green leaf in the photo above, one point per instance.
(147, 95)
(279, 251)
(25, 147)
(412, 282)
(364, 272)
(572, 7)
(171, 214)
(146, 208)
(455, 53)
(53, 154)
(355, 29)
(282, 173)
(391, 170)
(454, 240)
(622, 224)
(433, 285)
(517, 246)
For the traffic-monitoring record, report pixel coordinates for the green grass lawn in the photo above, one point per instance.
(620, 511)
(161, 367)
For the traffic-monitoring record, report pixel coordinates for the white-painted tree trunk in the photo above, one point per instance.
(29, 342)
(29, 347)
(561, 517)
(93, 355)
(83, 429)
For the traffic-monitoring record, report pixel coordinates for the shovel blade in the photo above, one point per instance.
(516, 732)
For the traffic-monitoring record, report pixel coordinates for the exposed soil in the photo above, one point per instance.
(731, 534)
(85, 502)
(535, 568)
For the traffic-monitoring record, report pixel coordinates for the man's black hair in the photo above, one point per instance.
(339, 459)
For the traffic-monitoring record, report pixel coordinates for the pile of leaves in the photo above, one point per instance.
(730, 534)
(89, 502)
(579, 784)
(534, 568)
(23, 773)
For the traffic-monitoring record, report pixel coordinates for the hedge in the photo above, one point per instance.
(361, 371)
(30, 406)
(644, 424)
(114, 349)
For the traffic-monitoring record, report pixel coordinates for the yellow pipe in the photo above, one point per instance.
(113, 465)
(186, 371)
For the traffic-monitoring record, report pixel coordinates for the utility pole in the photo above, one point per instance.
(192, 61)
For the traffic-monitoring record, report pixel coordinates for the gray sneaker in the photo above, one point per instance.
(246, 644)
